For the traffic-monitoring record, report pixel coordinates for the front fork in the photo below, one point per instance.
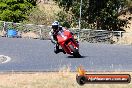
(75, 45)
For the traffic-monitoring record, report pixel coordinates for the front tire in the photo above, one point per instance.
(75, 51)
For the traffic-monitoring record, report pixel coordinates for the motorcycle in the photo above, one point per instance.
(68, 43)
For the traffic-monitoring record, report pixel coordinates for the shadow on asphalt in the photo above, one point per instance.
(76, 57)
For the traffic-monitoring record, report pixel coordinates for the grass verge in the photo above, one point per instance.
(52, 80)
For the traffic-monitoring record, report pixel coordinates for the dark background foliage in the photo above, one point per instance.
(97, 14)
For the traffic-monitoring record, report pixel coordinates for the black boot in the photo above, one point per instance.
(56, 51)
(61, 50)
(56, 48)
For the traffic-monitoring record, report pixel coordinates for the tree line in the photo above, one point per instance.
(15, 10)
(96, 14)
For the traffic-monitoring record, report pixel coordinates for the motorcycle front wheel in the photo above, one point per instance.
(75, 51)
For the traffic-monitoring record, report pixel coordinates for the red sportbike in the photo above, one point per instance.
(68, 43)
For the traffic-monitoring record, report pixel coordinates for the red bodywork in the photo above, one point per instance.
(66, 40)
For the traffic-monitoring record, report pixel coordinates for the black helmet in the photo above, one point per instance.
(55, 25)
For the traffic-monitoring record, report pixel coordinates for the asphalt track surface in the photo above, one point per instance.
(38, 55)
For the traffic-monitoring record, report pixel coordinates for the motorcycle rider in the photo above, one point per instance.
(56, 29)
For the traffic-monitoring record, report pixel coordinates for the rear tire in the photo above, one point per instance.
(75, 51)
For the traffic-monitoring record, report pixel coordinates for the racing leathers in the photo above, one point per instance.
(53, 35)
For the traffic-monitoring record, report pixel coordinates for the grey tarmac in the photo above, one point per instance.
(37, 55)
